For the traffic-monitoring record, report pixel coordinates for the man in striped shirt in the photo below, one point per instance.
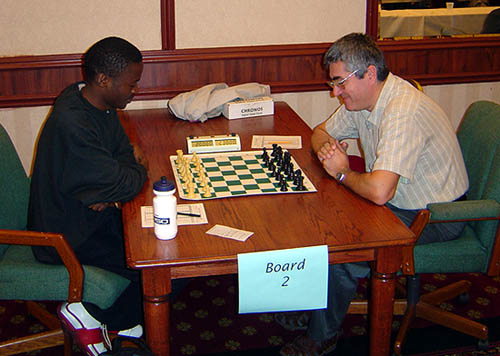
(412, 158)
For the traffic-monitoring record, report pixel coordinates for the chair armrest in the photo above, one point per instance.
(417, 226)
(467, 210)
(71, 262)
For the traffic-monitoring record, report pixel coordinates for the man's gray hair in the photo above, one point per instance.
(357, 51)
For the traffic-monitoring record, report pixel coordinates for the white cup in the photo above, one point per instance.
(449, 5)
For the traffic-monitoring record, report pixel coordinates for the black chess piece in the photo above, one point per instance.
(272, 168)
(296, 176)
(283, 185)
(265, 155)
(280, 152)
(275, 150)
(300, 184)
(284, 166)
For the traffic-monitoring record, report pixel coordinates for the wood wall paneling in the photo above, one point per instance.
(167, 73)
(452, 61)
(37, 80)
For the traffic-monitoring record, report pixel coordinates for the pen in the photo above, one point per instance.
(279, 142)
(189, 214)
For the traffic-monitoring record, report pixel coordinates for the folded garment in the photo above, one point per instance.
(208, 101)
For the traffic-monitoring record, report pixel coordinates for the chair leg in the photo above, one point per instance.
(403, 329)
(68, 344)
(424, 307)
(400, 290)
(446, 293)
(413, 295)
(33, 342)
(452, 321)
(49, 320)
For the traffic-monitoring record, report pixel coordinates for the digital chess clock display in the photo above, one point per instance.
(225, 142)
(215, 143)
(204, 143)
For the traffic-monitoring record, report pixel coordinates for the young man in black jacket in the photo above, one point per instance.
(85, 167)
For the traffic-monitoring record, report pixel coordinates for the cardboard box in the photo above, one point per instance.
(239, 109)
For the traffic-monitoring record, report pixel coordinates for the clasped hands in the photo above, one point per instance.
(332, 154)
(105, 205)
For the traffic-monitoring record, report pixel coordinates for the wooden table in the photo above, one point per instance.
(353, 228)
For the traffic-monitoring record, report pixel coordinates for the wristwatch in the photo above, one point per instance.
(340, 177)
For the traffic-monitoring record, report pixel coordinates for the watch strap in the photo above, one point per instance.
(340, 177)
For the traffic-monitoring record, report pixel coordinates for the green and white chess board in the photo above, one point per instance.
(229, 174)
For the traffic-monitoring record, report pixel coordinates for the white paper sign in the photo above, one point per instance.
(283, 280)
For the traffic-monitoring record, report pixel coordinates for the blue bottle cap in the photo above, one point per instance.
(163, 185)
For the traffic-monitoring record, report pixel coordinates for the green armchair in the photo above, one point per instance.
(478, 247)
(22, 277)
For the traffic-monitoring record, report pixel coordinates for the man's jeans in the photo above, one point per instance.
(343, 278)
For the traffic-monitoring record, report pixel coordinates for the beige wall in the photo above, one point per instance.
(217, 23)
(69, 26)
(62, 26)
(316, 107)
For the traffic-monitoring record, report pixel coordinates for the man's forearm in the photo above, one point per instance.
(378, 187)
(319, 137)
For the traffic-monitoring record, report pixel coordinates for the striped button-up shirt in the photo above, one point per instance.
(409, 134)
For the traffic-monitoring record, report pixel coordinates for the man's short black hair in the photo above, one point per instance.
(110, 56)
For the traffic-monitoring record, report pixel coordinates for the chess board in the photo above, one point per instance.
(232, 174)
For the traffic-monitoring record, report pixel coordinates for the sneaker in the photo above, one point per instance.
(305, 346)
(85, 330)
(135, 332)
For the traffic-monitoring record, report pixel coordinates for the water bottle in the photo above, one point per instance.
(165, 209)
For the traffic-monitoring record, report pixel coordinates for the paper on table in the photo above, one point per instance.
(147, 215)
(289, 142)
(229, 232)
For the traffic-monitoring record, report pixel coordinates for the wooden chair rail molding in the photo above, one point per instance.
(37, 80)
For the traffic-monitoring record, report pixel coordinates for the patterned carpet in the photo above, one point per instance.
(205, 322)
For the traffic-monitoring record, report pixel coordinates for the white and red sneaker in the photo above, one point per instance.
(85, 330)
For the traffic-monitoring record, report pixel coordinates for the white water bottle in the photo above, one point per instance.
(165, 209)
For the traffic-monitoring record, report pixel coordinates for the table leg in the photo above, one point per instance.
(156, 287)
(383, 283)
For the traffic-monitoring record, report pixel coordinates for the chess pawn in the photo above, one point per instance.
(164, 209)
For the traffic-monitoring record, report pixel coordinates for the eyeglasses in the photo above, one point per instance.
(339, 83)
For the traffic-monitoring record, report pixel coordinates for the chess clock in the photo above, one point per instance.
(213, 143)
